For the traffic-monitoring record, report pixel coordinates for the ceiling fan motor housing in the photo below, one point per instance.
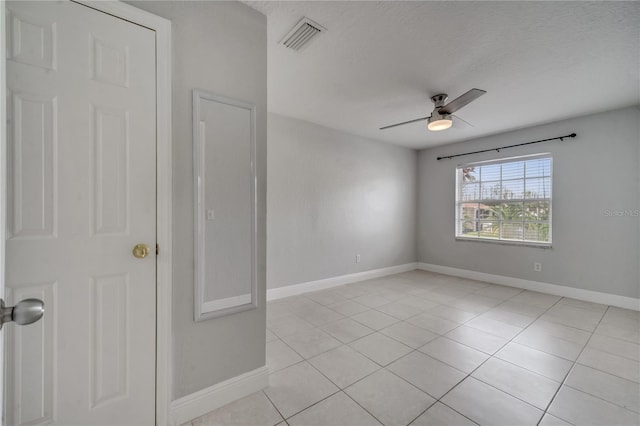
(439, 100)
(436, 115)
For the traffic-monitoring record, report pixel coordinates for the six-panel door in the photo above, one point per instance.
(81, 194)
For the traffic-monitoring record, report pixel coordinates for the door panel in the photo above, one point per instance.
(32, 168)
(81, 193)
(31, 359)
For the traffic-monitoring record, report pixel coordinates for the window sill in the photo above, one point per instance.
(507, 242)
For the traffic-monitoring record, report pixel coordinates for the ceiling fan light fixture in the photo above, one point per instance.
(440, 124)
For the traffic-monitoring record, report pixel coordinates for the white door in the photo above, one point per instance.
(81, 194)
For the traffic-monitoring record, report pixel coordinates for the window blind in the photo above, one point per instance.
(505, 200)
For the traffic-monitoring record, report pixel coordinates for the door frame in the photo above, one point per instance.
(164, 350)
(3, 189)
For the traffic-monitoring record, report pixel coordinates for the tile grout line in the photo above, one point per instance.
(312, 405)
(343, 390)
(416, 350)
(547, 353)
(422, 353)
(360, 405)
(491, 356)
(439, 303)
(304, 360)
(602, 399)
(382, 367)
(335, 384)
(274, 406)
(546, 410)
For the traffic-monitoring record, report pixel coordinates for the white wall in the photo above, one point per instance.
(220, 47)
(331, 196)
(593, 173)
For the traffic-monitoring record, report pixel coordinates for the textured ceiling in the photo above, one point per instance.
(379, 62)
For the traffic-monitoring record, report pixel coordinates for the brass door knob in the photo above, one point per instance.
(140, 251)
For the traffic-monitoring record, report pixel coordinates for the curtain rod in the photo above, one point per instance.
(572, 135)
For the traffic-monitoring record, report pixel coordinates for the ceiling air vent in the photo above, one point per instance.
(300, 35)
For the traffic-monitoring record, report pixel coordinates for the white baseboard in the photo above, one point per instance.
(292, 290)
(199, 403)
(557, 290)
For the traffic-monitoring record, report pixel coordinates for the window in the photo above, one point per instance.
(505, 200)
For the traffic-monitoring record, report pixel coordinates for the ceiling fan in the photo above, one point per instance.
(441, 117)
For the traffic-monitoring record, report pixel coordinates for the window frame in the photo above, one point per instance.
(499, 240)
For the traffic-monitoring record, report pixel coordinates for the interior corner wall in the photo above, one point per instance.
(220, 47)
(596, 206)
(332, 196)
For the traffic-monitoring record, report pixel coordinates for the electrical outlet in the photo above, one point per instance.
(537, 266)
(211, 215)
(357, 258)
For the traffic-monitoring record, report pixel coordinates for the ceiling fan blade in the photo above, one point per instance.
(461, 101)
(404, 122)
(460, 119)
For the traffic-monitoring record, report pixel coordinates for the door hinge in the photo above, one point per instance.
(157, 249)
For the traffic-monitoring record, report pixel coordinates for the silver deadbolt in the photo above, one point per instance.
(25, 312)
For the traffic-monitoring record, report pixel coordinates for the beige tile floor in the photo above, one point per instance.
(426, 349)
